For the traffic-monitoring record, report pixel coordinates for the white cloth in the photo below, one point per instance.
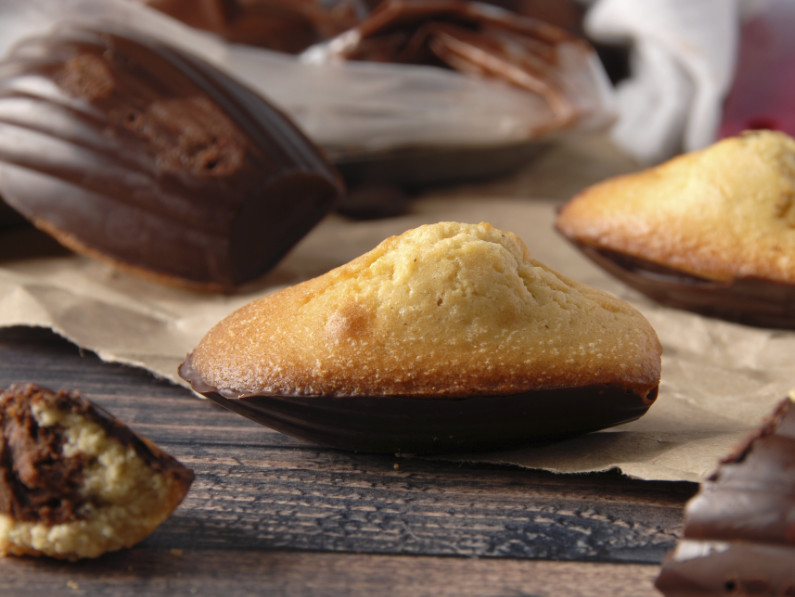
(682, 59)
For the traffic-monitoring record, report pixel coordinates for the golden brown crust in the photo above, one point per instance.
(442, 310)
(722, 213)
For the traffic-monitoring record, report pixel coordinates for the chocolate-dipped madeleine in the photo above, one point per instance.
(129, 150)
(712, 231)
(447, 337)
(738, 534)
(76, 482)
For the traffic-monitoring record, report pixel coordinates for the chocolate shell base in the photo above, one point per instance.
(751, 301)
(10, 218)
(428, 425)
(738, 535)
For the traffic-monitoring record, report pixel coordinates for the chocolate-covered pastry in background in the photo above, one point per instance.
(472, 38)
(511, 40)
(281, 25)
(712, 231)
(291, 26)
(448, 337)
(76, 482)
(738, 534)
(132, 151)
(439, 32)
(536, 45)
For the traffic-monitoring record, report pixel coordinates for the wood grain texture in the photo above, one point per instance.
(272, 513)
(147, 571)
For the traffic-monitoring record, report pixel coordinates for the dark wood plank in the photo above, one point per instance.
(315, 501)
(167, 572)
(261, 498)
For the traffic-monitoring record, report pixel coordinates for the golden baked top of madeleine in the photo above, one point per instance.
(721, 213)
(448, 309)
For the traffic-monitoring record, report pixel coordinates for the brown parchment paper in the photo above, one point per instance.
(719, 379)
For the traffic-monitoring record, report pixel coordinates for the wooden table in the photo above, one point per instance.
(269, 515)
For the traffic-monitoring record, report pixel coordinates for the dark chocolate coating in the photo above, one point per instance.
(9, 218)
(752, 301)
(131, 150)
(427, 424)
(739, 534)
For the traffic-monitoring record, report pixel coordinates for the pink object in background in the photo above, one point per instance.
(762, 95)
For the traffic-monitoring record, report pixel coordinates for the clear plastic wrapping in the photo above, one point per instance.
(356, 108)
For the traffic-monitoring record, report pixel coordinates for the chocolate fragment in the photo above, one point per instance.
(76, 482)
(132, 151)
(738, 537)
(751, 301)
